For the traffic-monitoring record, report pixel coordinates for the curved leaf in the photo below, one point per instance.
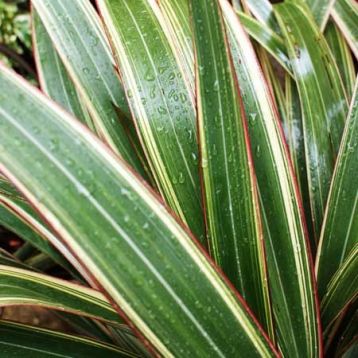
(320, 10)
(17, 340)
(345, 15)
(161, 103)
(268, 39)
(342, 289)
(134, 249)
(23, 287)
(340, 225)
(263, 11)
(289, 264)
(17, 216)
(323, 101)
(78, 38)
(53, 77)
(342, 56)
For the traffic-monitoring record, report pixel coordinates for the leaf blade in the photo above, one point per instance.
(322, 97)
(234, 226)
(161, 103)
(341, 212)
(152, 252)
(291, 285)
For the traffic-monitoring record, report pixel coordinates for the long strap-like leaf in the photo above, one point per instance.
(342, 56)
(137, 252)
(18, 216)
(342, 289)
(161, 103)
(23, 287)
(340, 227)
(320, 10)
(229, 186)
(345, 15)
(17, 340)
(80, 42)
(291, 286)
(293, 128)
(323, 101)
(53, 77)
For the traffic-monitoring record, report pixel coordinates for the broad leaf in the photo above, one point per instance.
(320, 10)
(137, 252)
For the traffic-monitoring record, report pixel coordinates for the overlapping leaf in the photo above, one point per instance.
(52, 74)
(161, 103)
(18, 340)
(288, 261)
(340, 226)
(322, 97)
(342, 56)
(23, 287)
(143, 259)
(75, 31)
(345, 14)
(342, 289)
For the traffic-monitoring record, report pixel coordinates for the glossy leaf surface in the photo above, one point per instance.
(161, 103)
(75, 31)
(143, 259)
(23, 287)
(53, 77)
(340, 227)
(323, 101)
(230, 198)
(345, 14)
(290, 272)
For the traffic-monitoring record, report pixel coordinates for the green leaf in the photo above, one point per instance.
(137, 252)
(290, 270)
(273, 82)
(320, 10)
(323, 101)
(17, 216)
(263, 11)
(340, 225)
(341, 290)
(342, 56)
(23, 287)
(267, 38)
(10, 260)
(52, 74)
(345, 15)
(75, 31)
(161, 103)
(176, 15)
(293, 128)
(18, 340)
(231, 203)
